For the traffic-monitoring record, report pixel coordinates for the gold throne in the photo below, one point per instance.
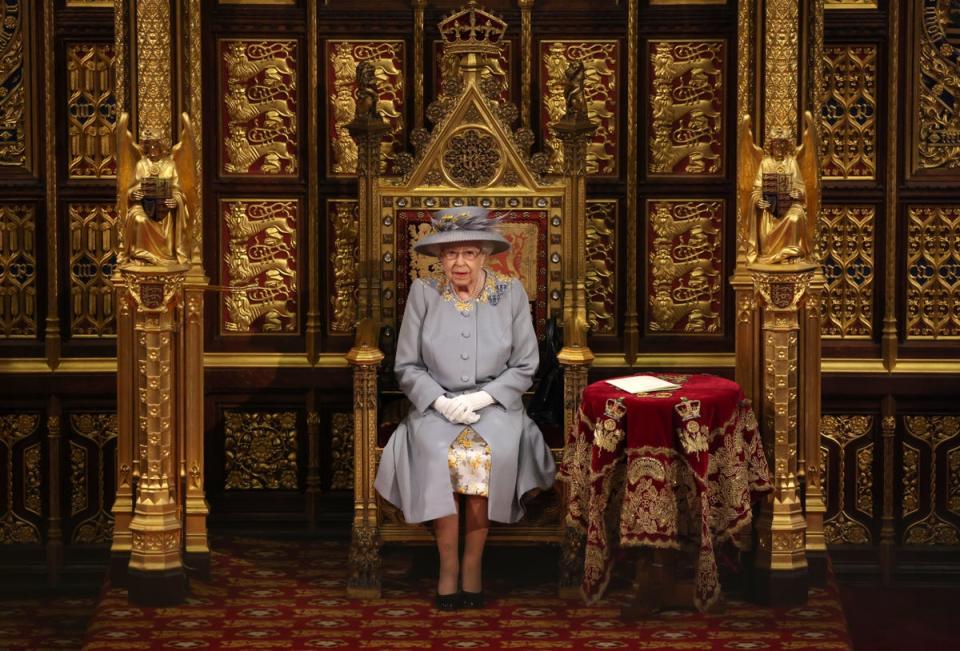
(472, 156)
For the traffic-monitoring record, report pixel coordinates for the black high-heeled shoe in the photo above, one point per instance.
(471, 599)
(447, 601)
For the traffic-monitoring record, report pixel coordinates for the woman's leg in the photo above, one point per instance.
(477, 526)
(447, 532)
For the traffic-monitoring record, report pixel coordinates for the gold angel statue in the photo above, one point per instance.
(156, 196)
(777, 194)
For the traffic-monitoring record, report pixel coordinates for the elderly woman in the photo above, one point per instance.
(465, 355)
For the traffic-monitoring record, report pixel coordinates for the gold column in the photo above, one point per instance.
(365, 357)
(631, 326)
(418, 46)
(51, 335)
(156, 573)
(313, 325)
(574, 130)
(781, 556)
(154, 83)
(526, 59)
(191, 396)
(126, 432)
(888, 340)
(810, 465)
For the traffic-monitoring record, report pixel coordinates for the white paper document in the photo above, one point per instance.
(642, 384)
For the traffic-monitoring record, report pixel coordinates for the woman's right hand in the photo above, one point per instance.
(455, 411)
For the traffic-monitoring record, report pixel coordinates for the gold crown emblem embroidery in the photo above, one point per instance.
(472, 29)
(615, 408)
(687, 409)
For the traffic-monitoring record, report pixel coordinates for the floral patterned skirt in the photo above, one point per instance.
(469, 462)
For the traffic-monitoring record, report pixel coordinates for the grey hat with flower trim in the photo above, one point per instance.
(453, 226)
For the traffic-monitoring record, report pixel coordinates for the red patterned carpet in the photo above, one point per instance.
(290, 595)
(44, 623)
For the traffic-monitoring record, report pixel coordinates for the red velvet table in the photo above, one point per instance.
(666, 470)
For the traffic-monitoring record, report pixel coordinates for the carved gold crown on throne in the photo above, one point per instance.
(472, 29)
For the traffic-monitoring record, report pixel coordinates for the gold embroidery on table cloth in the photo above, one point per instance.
(469, 461)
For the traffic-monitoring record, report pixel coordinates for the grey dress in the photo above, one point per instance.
(449, 347)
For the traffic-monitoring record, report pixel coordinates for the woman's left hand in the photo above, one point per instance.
(476, 401)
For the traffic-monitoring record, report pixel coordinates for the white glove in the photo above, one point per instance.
(455, 410)
(477, 400)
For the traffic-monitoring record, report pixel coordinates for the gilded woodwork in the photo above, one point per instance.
(933, 272)
(93, 256)
(497, 67)
(193, 37)
(932, 432)
(910, 473)
(601, 272)
(14, 429)
(154, 69)
(15, 96)
(91, 111)
(631, 327)
(686, 107)
(260, 265)
(344, 259)
(845, 431)
(90, 3)
(387, 58)
(685, 266)
(32, 478)
(848, 118)
(850, 4)
(847, 241)
(341, 451)
(260, 450)
(892, 331)
(18, 271)
(601, 61)
(781, 76)
(953, 481)
(936, 116)
(95, 431)
(258, 107)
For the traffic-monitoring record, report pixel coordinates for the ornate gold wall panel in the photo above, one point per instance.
(602, 267)
(344, 255)
(93, 255)
(16, 126)
(259, 100)
(341, 451)
(342, 58)
(936, 93)
(686, 107)
(781, 78)
(601, 61)
(91, 111)
(845, 433)
(933, 272)
(848, 122)
(92, 440)
(260, 260)
(260, 450)
(15, 430)
(933, 433)
(18, 271)
(911, 480)
(32, 477)
(154, 68)
(847, 240)
(685, 266)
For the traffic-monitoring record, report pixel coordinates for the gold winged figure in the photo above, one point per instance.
(777, 194)
(157, 196)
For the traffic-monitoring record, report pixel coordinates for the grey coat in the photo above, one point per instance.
(447, 348)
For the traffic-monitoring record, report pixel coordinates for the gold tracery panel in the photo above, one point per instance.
(844, 435)
(15, 432)
(18, 270)
(601, 276)
(849, 113)
(847, 239)
(601, 62)
(934, 435)
(933, 272)
(93, 255)
(936, 101)
(344, 255)
(91, 111)
(260, 449)
(16, 126)
(92, 441)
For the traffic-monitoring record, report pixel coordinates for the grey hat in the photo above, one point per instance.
(453, 226)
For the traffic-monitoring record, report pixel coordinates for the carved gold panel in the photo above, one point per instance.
(445, 67)
(932, 432)
(601, 276)
(90, 3)
(79, 500)
(685, 266)
(936, 89)
(847, 239)
(259, 100)
(16, 126)
(259, 265)
(344, 255)
(93, 256)
(342, 58)
(155, 64)
(686, 90)
(953, 481)
(781, 77)
(92, 441)
(848, 119)
(91, 111)
(341, 451)
(911, 480)
(18, 271)
(933, 272)
(15, 431)
(844, 432)
(601, 61)
(260, 450)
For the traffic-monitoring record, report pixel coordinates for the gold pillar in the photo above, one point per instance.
(526, 59)
(631, 325)
(156, 573)
(191, 396)
(418, 46)
(126, 433)
(574, 131)
(810, 465)
(365, 357)
(51, 335)
(889, 340)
